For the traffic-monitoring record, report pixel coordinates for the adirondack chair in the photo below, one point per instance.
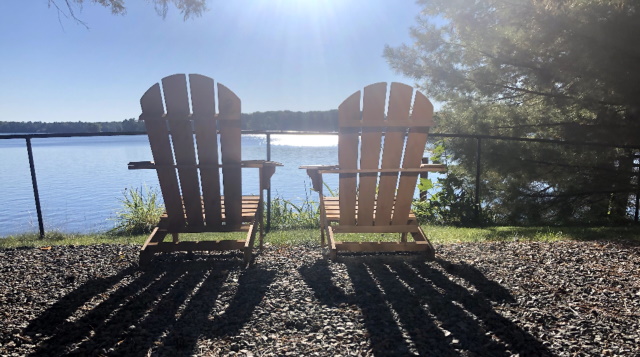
(190, 185)
(377, 176)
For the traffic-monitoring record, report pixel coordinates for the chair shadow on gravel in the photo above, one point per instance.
(411, 306)
(165, 309)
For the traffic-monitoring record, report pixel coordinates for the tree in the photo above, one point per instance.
(188, 8)
(555, 69)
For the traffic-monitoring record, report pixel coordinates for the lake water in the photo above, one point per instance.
(81, 180)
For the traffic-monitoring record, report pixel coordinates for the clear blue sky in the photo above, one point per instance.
(297, 55)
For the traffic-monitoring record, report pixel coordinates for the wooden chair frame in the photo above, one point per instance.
(190, 184)
(380, 150)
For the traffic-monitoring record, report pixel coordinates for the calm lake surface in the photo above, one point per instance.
(81, 180)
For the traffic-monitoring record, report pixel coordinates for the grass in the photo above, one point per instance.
(437, 234)
(59, 238)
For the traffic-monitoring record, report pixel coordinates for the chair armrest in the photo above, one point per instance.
(140, 165)
(422, 168)
(434, 167)
(318, 167)
(315, 174)
(267, 169)
(259, 163)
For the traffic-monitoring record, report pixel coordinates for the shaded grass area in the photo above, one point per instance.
(437, 234)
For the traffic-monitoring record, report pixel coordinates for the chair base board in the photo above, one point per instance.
(155, 244)
(421, 244)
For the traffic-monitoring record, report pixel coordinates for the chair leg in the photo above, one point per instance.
(333, 251)
(430, 253)
(251, 237)
(175, 237)
(260, 213)
(247, 255)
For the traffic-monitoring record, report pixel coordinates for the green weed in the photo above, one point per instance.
(141, 211)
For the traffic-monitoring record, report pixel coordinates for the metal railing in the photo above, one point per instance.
(34, 181)
(477, 189)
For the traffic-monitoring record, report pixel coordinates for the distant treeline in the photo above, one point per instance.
(37, 127)
(277, 120)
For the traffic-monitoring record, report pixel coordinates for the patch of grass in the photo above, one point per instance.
(448, 235)
(288, 237)
(58, 238)
(141, 211)
(287, 215)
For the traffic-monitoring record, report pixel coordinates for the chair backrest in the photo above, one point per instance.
(171, 123)
(372, 139)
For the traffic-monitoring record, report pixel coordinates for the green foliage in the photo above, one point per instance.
(141, 211)
(451, 204)
(188, 8)
(288, 215)
(563, 70)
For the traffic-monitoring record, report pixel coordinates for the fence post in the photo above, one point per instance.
(34, 182)
(269, 189)
(478, 158)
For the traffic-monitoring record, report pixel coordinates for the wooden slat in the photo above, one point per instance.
(177, 101)
(229, 126)
(203, 103)
(399, 105)
(332, 210)
(375, 229)
(188, 246)
(399, 124)
(348, 112)
(374, 98)
(422, 168)
(382, 246)
(416, 141)
(156, 125)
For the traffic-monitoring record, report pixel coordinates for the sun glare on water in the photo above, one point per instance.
(305, 140)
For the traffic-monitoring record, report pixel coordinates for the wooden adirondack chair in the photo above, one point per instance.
(377, 176)
(190, 185)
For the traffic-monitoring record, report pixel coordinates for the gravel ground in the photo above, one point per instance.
(480, 299)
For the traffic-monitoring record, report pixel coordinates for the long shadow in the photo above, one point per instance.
(169, 303)
(410, 307)
(58, 313)
(121, 307)
(196, 323)
(380, 301)
(514, 340)
(489, 288)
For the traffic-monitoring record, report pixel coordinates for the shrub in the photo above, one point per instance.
(141, 211)
(287, 215)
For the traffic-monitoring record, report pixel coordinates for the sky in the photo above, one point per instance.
(298, 55)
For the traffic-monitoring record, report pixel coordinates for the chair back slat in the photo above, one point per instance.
(192, 191)
(178, 116)
(348, 142)
(156, 125)
(405, 131)
(422, 117)
(399, 107)
(373, 111)
(203, 105)
(229, 125)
